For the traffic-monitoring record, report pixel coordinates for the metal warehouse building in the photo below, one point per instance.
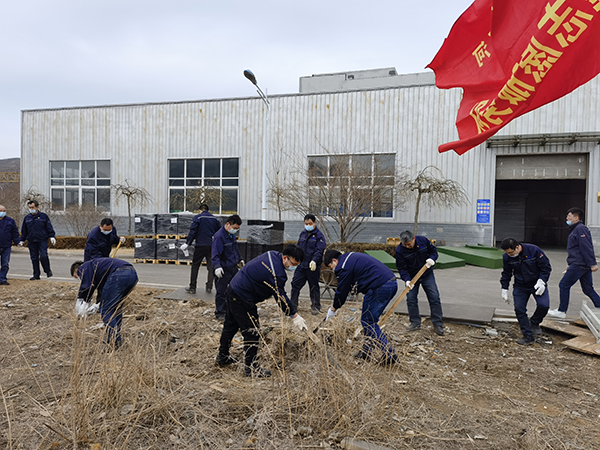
(528, 175)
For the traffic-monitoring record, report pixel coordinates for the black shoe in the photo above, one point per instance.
(225, 360)
(34, 278)
(4, 283)
(535, 329)
(315, 311)
(389, 360)
(439, 330)
(190, 290)
(49, 274)
(220, 317)
(526, 341)
(413, 327)
(257, 372)
(362, 355)
(208, 290)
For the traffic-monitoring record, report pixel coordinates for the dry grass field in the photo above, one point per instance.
(60, 389)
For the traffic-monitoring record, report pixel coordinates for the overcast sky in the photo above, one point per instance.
(61, 53)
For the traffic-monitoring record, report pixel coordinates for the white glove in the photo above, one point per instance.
(81, 307)
(429, 263)
(219, 272)
(330, 313)
(21, 243)
(184, 247)
(242, 263)
(122, 239)
(53, 241)
(313, 266)
(300, 322)
(93, 309)
(505, 295)
(409, 285)
(539, 287)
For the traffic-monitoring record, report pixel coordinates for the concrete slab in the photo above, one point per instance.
(457, 312)
(181, 295)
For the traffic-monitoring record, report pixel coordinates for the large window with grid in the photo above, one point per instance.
(80, 183)
(213, 181)
(359, 182)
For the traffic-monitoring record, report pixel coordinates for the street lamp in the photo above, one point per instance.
(248, 74)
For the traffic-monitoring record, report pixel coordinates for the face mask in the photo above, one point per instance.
(309, 227)
(233, 231)
(569, 222)
(514, 256)
(291, 268)
(106, 232)
(32, 211)
(3, 214)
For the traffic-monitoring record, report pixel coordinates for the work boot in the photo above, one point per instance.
(413, 327)
(225, 360)
(5, 283)
(526, 340)
(208, 290)
(362, 355)
(49, 274)
(557, 314)
(257, 371)
(34, 278)
(535, 329)
(389, 360)
(439, 330)
(315, 311)
(190, 290)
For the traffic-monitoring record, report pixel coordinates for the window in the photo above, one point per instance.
(213, 181)
(360, 183)
(79, 183)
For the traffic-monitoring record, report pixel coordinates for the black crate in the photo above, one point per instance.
(144, 248)
(166, 223)
(145, 224)
(167, 249)
(264, 232)
(184, 222)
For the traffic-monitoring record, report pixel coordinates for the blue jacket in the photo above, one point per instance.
(225, 253)
(580, 249)
(529, 266)
(263, 277)
(203, 228)
(98, 244)
(9, 232)
(93, 275)
(410, 260)
(36, 228)
(362, 270)
(313, 243)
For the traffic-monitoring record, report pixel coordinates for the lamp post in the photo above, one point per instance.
(248, 74)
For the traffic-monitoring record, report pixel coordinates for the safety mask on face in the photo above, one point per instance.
(514, 256)
(233, 231)
(106, 232)
(3, 214)
(291, 268)
(568, 222)
(309, 227)
(32, 211)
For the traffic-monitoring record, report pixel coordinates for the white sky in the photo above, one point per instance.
(61, 53)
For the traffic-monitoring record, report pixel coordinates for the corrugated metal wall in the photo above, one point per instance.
(409, 121)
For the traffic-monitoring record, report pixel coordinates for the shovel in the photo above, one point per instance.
(116, 249)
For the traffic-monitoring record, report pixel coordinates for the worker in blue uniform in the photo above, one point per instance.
(411, 255)
(581, 263)
(225, 259)
(36, 230)
(312, 242)
(203, 228)
(378, 284)
(263, 277)
(116, 278)
(9, 234)
(531, 269)
(101, 240)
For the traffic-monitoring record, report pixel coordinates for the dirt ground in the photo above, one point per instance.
(61, 388)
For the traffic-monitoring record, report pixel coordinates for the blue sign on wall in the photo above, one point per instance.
(483, 210)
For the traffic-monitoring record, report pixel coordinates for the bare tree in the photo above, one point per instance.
(79, 220)
(194, 197)
(44, 203)
(430, 185)
(278, 194)
(134, 195)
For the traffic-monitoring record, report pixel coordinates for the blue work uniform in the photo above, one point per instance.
(529, 266)
(202, 230)
(9, 234)
(98, 244)
(313, 244)
(263, 277)
(580, 259)
(36, 230)
(225, 254)
(408, 262)
(116, 278)
(378, 284)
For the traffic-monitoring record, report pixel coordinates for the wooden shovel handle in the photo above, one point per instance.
(389, 312)
(116, 249)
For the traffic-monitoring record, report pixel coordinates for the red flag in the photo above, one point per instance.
(513, 56)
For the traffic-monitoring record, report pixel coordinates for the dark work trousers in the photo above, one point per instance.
(521, 297)
(199, 254)
(301, 276)
(38, 252)
(433, 297)
(374, 304)
(584, 275)
(241, 315)
(4, 260)
(117, 287)
(221, 285)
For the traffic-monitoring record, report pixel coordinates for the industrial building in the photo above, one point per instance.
(519, 183)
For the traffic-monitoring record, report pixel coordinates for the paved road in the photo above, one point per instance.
(462, 285)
